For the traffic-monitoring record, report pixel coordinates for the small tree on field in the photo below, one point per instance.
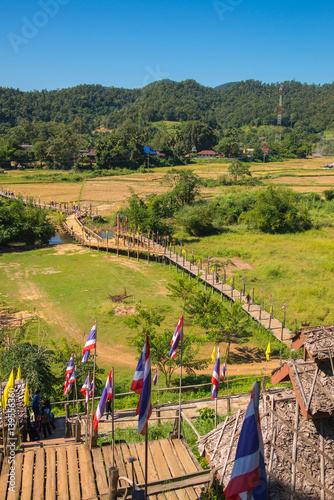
(143, 323)
(238, 170)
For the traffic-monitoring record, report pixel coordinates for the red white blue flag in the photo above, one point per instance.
(68, 372)
(283, 307)
(224, 371)
(141, 384)
(70, 366)
(90, 344)
(215, 376)
(87, 390)
(249, 471)
(271, 296)
(176, 338)
(106, 394)
(70, 378)
(155, 377)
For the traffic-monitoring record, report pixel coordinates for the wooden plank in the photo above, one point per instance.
(100, 474)
(50, 489)
(4, 477)
(14, 495)
(187, 464)
(107, 453)
(62, 481)
(184, 457)
(139, 470)
(173, 464)
(151, 471)
(126, 454)
(161, 466)
(184, 483)
(27, 475)
(88, 488)
(73, 473)
(38, 490)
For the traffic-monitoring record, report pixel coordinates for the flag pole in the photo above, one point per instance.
(93, 393)
(180, 393)
(76, 395)
(2, 417)
(216, 410)
(158, 388)
(146, 459)
(87, 408)
(113, 418)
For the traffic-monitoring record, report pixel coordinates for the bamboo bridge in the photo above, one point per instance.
(130, 243)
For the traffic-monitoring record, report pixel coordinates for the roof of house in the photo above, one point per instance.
(313, 384)
(207, 152)
(318, 341)
(277, 410)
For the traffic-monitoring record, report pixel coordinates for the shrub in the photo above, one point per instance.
(278, 210)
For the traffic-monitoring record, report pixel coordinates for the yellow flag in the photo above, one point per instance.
(268, 352)
(231, 281)
(26, 396)
(6, 394)
(183, 251)
(212, 269)
(213, 355)
(18, 375)
(148, 234)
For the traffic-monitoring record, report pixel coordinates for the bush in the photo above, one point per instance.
(278, 210)
(196, 220)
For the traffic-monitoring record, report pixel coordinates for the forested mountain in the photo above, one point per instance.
(309, 108)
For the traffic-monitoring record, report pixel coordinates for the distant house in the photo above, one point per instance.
(206, 153)
(2, 171)
(27, 147)
(88, 153)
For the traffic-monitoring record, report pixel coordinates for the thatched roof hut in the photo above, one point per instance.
(299, 453)
(318, 341)
(297, 425)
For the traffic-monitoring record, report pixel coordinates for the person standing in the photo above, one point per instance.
(35, 405)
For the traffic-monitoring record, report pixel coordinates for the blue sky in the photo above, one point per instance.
(129, 43)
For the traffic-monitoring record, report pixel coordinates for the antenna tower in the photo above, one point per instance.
(279, 116)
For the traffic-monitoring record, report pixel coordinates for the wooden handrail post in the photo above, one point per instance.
(113, 474)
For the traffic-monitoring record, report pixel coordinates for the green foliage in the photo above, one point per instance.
(329, 194)
(185, 185)
(239, 170)
(196, 220)
(35, 365)
(278, 210)
(23, 224)
(142, 325)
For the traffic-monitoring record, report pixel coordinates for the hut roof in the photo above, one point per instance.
(295, 449)
(313, 384)
(318, 341)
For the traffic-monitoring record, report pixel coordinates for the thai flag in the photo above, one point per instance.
(69, 381)
(68, 372)
(90, 344)
(262, 291)
(283, 307)
(176, 338)
(223, 371)
(106, 394)
(141, 384)
(215, 376)
(249, 471)
(84, 389)
(70, 366)
(271, 296)
(156, 375)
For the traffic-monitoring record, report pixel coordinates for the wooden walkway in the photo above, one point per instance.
(72, 472)
(135, 245)
(142, 247)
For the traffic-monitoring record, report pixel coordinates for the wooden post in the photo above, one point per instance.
(294, 450)
(224, 275)
(113, 474)
(322, 461)
(261, 306)
(205, 278)
(67, 421)
(77, 431)
(283, 325)
(253, 295)
(232, 289)
(107, 242)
